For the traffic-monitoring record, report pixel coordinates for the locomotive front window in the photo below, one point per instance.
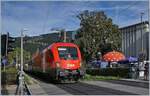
(68, 53)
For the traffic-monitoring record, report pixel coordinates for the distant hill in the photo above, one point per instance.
(40, 42)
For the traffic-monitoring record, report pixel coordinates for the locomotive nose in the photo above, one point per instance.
(70, 64)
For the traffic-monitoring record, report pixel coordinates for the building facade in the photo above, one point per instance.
(135, 39)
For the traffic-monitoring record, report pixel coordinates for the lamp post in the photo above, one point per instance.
(142, 31)
(21, 74)
(149, 29)
(60, 30)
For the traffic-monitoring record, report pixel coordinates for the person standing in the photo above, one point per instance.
(4, 62)
(146, 71)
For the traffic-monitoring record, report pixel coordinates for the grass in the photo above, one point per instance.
(11, 70)
(11, 76)
(96, 78)
(29, 80)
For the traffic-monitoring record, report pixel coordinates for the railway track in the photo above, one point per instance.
(79, 88)
(87, 89)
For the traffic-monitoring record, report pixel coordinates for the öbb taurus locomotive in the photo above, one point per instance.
(61, 61)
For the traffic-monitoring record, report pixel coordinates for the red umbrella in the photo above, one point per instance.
(113, 56)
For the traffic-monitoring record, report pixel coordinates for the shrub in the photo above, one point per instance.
(119, 72)
(10, 75)
(90, 77)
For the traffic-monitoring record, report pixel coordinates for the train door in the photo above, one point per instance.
(51, 58)
(43, 61)
(51, 70)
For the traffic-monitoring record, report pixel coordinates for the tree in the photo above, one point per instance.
(97, 33)
(12, 55)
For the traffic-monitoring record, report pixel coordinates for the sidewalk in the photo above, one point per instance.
(35, 88)
(136, 80)
(124, 88)
(8, 89)
(11, 89)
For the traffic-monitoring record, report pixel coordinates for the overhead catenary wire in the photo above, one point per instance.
(135, 14)
(128, 7)
(46, 19)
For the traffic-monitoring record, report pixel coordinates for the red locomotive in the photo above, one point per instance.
(61, 61)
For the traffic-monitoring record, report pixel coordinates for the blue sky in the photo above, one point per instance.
(39, 17)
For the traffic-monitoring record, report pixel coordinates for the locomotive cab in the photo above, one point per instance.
(69, 65)
(60, 61)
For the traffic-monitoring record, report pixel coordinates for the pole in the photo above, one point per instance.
(21, 76)
(6, 43)
(117, 19)
(0, 54)
(6, 48)
(149, 28)
(142, 31)
(64, 36)
(16, 59)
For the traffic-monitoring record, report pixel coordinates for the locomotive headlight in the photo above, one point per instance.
(80, 64)
(57, 64)
(70, 65)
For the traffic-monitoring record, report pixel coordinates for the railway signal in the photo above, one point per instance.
(3, 44)
(9, 43)
(7, 46)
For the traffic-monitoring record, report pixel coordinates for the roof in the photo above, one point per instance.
(133, 25)
(61, 44)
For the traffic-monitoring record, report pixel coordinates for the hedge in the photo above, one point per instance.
(9, 75)
(119, 72)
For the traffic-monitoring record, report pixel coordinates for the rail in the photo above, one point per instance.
(27, 89)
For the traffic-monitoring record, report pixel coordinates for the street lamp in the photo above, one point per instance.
(59, 30)
(142, 31)
(149, 29)
(21, 74)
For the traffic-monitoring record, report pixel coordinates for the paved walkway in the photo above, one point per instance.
(11, 89)
(35, 88)
(136, 80)
(120, 87)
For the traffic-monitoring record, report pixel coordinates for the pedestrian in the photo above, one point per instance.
(4, 62)
(146, 71)
(134, 71)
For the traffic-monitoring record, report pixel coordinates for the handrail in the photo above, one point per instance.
(27, 89)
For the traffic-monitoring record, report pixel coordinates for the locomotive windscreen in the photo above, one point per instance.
(68, 53)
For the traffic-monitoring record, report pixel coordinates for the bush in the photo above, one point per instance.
(10, 75)
(90, 77)
(119, 72)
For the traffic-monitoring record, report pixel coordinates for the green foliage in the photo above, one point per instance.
(10, 75)
(29, 80)
(97, 33)
(17, 52)
(119, 72)
(31, 44)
